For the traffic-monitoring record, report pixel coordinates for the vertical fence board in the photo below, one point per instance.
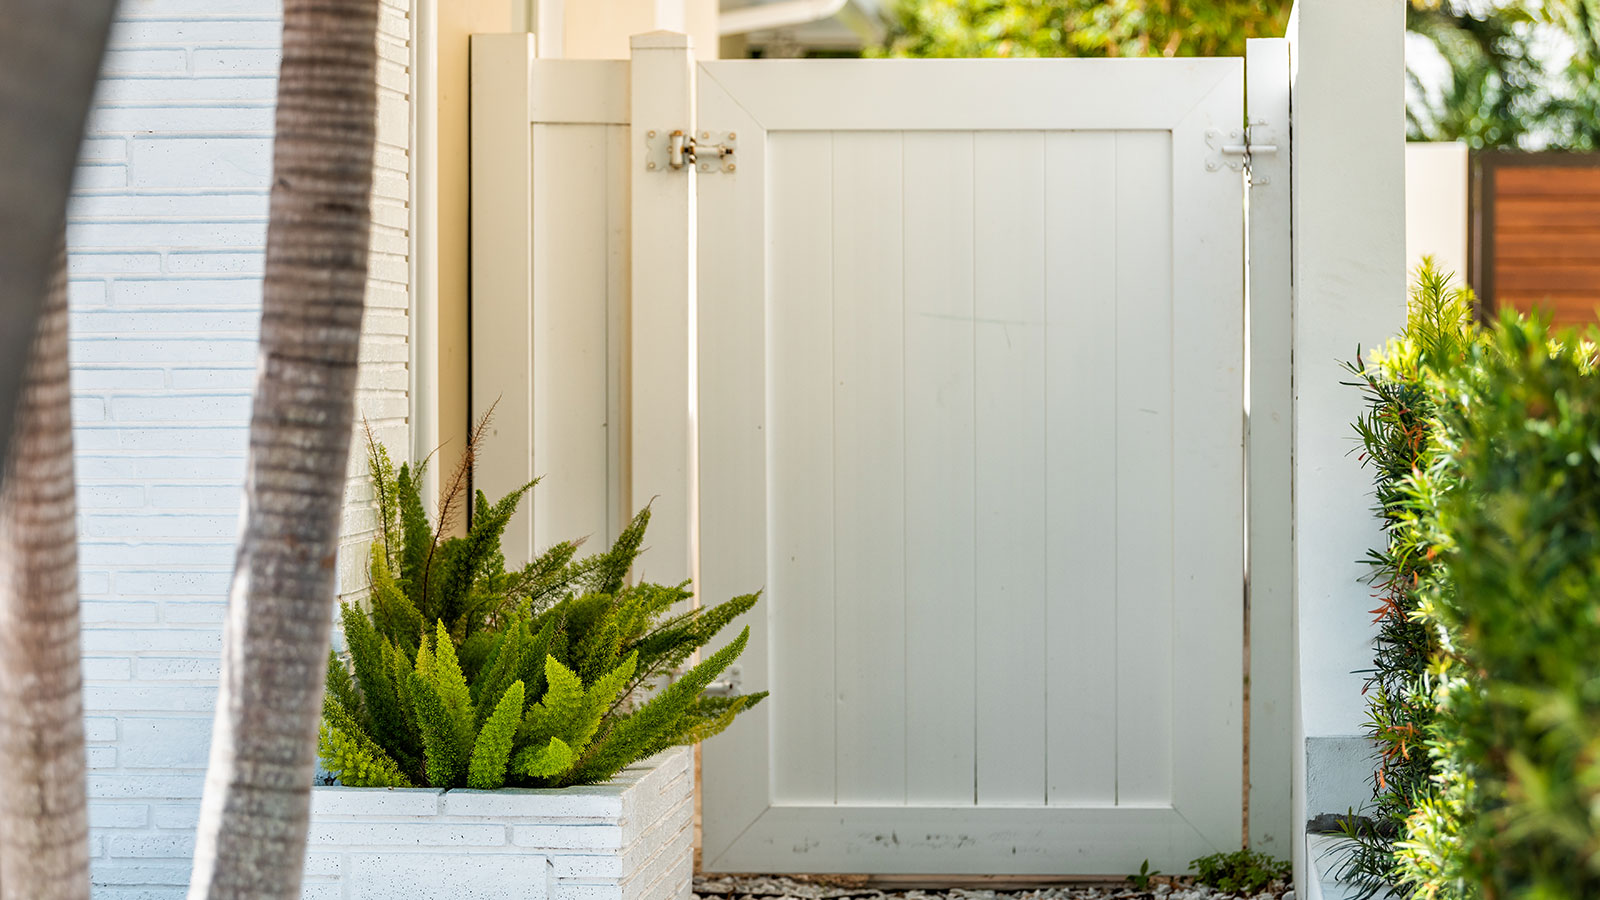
(662, 223)
(571, 256)
(732, 413)
(940, 434)
(1269, 450)
(1009, 252)
(1081, 484)
(1144, 467)
(869, 462)
(800, 429)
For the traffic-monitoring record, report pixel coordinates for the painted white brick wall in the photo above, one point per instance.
(166, 234)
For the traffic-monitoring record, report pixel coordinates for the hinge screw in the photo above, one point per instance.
(731, 167)
(650, 165)
(650, 134)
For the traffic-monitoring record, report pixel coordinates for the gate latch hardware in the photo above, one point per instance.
(706, 153)
(728, 686)
(1234, 149)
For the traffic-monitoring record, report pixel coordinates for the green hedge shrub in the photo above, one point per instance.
(1516, 815)
(462, 674)
(1401, 383)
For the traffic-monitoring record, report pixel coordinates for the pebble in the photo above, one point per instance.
(776, 888)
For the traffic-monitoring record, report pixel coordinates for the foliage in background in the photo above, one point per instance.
(1495, 90)
(1240, 872)
(463, 674)
(1503, 89)
(1400, 384)
(1498, 89)
(1095, 28)
(1517, 738)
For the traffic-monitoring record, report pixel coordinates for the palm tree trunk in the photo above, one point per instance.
(44, 829)
(49, 59)
(255, 809)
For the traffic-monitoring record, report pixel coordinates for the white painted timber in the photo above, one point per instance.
(1270, 451)
(970, 407)
(166, 240)
(940, 495)
(1082, 489)
(662, 306)
(550, 288)
(1349, 292)
(628, 839)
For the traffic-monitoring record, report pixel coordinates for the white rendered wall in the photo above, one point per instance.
(166, 234)
(1436, 206)
(1349, 271)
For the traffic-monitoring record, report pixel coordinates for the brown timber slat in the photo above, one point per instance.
(1541, 215)
(1524, 278)
(1513, 248)
(1548, 181)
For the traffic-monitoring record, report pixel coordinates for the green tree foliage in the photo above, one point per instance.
(1500, 91)
(1517, 736)
(1095, 28)
(1400, 384)
(1495, 93)
(462, 674)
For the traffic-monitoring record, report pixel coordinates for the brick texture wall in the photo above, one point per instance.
(166, 233)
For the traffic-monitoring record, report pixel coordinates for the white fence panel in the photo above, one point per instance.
(970, 407)
(949, 359)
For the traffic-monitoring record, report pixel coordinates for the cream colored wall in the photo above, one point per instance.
(600, 29)
(1436, 206)
(440, 412)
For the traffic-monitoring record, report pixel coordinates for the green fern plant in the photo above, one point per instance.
(463, 674)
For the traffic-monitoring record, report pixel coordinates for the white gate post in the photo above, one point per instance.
(1269, 448)
(1348, 63)
(661, 443)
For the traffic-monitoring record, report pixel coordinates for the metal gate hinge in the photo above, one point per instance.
(1235, 149)
(677, 151)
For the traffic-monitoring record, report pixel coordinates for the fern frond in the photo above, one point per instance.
(503, 669)
(487, 769)
(612, 571)
(380, 701)
(416, 536)
(549, 760)
(561, 706)
(634, 735)
(338, 683)
(442, 747)
(393, 614)
(385, 492)
(351, 754)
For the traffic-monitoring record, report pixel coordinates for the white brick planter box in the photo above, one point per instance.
(630, 839)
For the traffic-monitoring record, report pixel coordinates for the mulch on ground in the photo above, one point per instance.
(762, 887)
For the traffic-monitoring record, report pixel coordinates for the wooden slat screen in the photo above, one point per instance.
(1536, 233)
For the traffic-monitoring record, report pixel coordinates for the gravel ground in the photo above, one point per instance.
(774, 888)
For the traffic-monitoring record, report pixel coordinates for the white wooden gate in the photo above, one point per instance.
(949, 358)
